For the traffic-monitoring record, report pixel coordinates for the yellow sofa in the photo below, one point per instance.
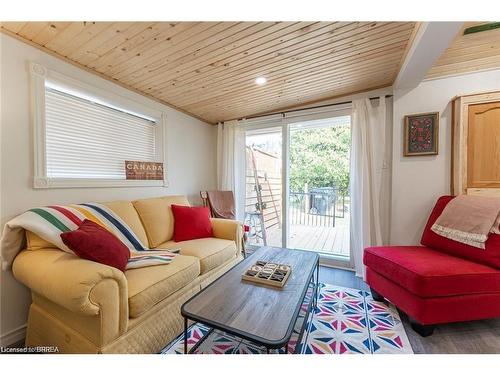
(86, 307)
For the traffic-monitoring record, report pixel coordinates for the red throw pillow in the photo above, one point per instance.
(489, 256)
(191, 223)
(93, 242)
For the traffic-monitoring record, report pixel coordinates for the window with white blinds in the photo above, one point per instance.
(89, 140)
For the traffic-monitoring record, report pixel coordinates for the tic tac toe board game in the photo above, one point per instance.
(268, 273)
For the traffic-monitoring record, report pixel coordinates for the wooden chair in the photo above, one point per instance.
(222, 206)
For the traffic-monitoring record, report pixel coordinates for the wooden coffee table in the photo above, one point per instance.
(261, 314)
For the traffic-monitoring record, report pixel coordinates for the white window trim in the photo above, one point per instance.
(39, 74)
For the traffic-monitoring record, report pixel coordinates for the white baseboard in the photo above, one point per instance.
(13, 336)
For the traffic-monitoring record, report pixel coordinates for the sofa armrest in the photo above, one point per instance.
(79, 285)
(228, 230)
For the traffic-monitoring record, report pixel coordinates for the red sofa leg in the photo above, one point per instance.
(422, 330)
(377, 296)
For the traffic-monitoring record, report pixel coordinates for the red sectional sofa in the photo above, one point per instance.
(441, 281)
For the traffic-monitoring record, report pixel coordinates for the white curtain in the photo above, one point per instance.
(368, 180)
(231, 162)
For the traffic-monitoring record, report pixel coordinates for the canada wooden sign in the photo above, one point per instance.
(143, 170)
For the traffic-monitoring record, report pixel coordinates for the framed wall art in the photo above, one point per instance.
(421, 134)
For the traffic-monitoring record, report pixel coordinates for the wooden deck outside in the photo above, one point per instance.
(322, 231)
(323, 239)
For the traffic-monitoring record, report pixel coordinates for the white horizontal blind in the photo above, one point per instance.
(321, 123)
(89, 140)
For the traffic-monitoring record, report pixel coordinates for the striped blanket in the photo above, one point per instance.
(50, 221)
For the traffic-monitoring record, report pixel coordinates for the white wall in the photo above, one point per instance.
(191, 164)
(418, 181)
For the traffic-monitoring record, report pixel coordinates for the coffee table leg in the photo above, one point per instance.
(317, 286)
(185, 335)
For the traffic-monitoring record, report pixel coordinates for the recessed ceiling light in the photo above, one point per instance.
(261, 81)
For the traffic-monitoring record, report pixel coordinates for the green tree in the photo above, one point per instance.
(320, 158)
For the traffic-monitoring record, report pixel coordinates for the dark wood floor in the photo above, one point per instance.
(339, 277)
(478, 337)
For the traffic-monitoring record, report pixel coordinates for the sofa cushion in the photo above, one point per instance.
(35, 242)
(430, 273)
(157, 218)
(127, 212)
(489, 256)
(436, 310)
(148, 286)
(212, 252)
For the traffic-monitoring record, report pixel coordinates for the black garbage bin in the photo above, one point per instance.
(321, 200)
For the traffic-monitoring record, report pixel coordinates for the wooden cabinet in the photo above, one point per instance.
(476, 144)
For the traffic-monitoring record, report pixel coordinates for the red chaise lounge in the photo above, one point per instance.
(442, 281)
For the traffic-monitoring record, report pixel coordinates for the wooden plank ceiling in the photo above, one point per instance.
(208, 69)
(469, 53)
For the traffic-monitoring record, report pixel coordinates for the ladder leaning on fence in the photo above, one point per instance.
(266, 209)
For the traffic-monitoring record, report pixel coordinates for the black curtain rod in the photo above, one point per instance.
(303, 109)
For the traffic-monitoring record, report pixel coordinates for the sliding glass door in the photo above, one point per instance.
(264, 187)
(297, 185)
(318, 204)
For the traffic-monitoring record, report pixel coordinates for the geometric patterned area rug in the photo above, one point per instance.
(346, 321)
